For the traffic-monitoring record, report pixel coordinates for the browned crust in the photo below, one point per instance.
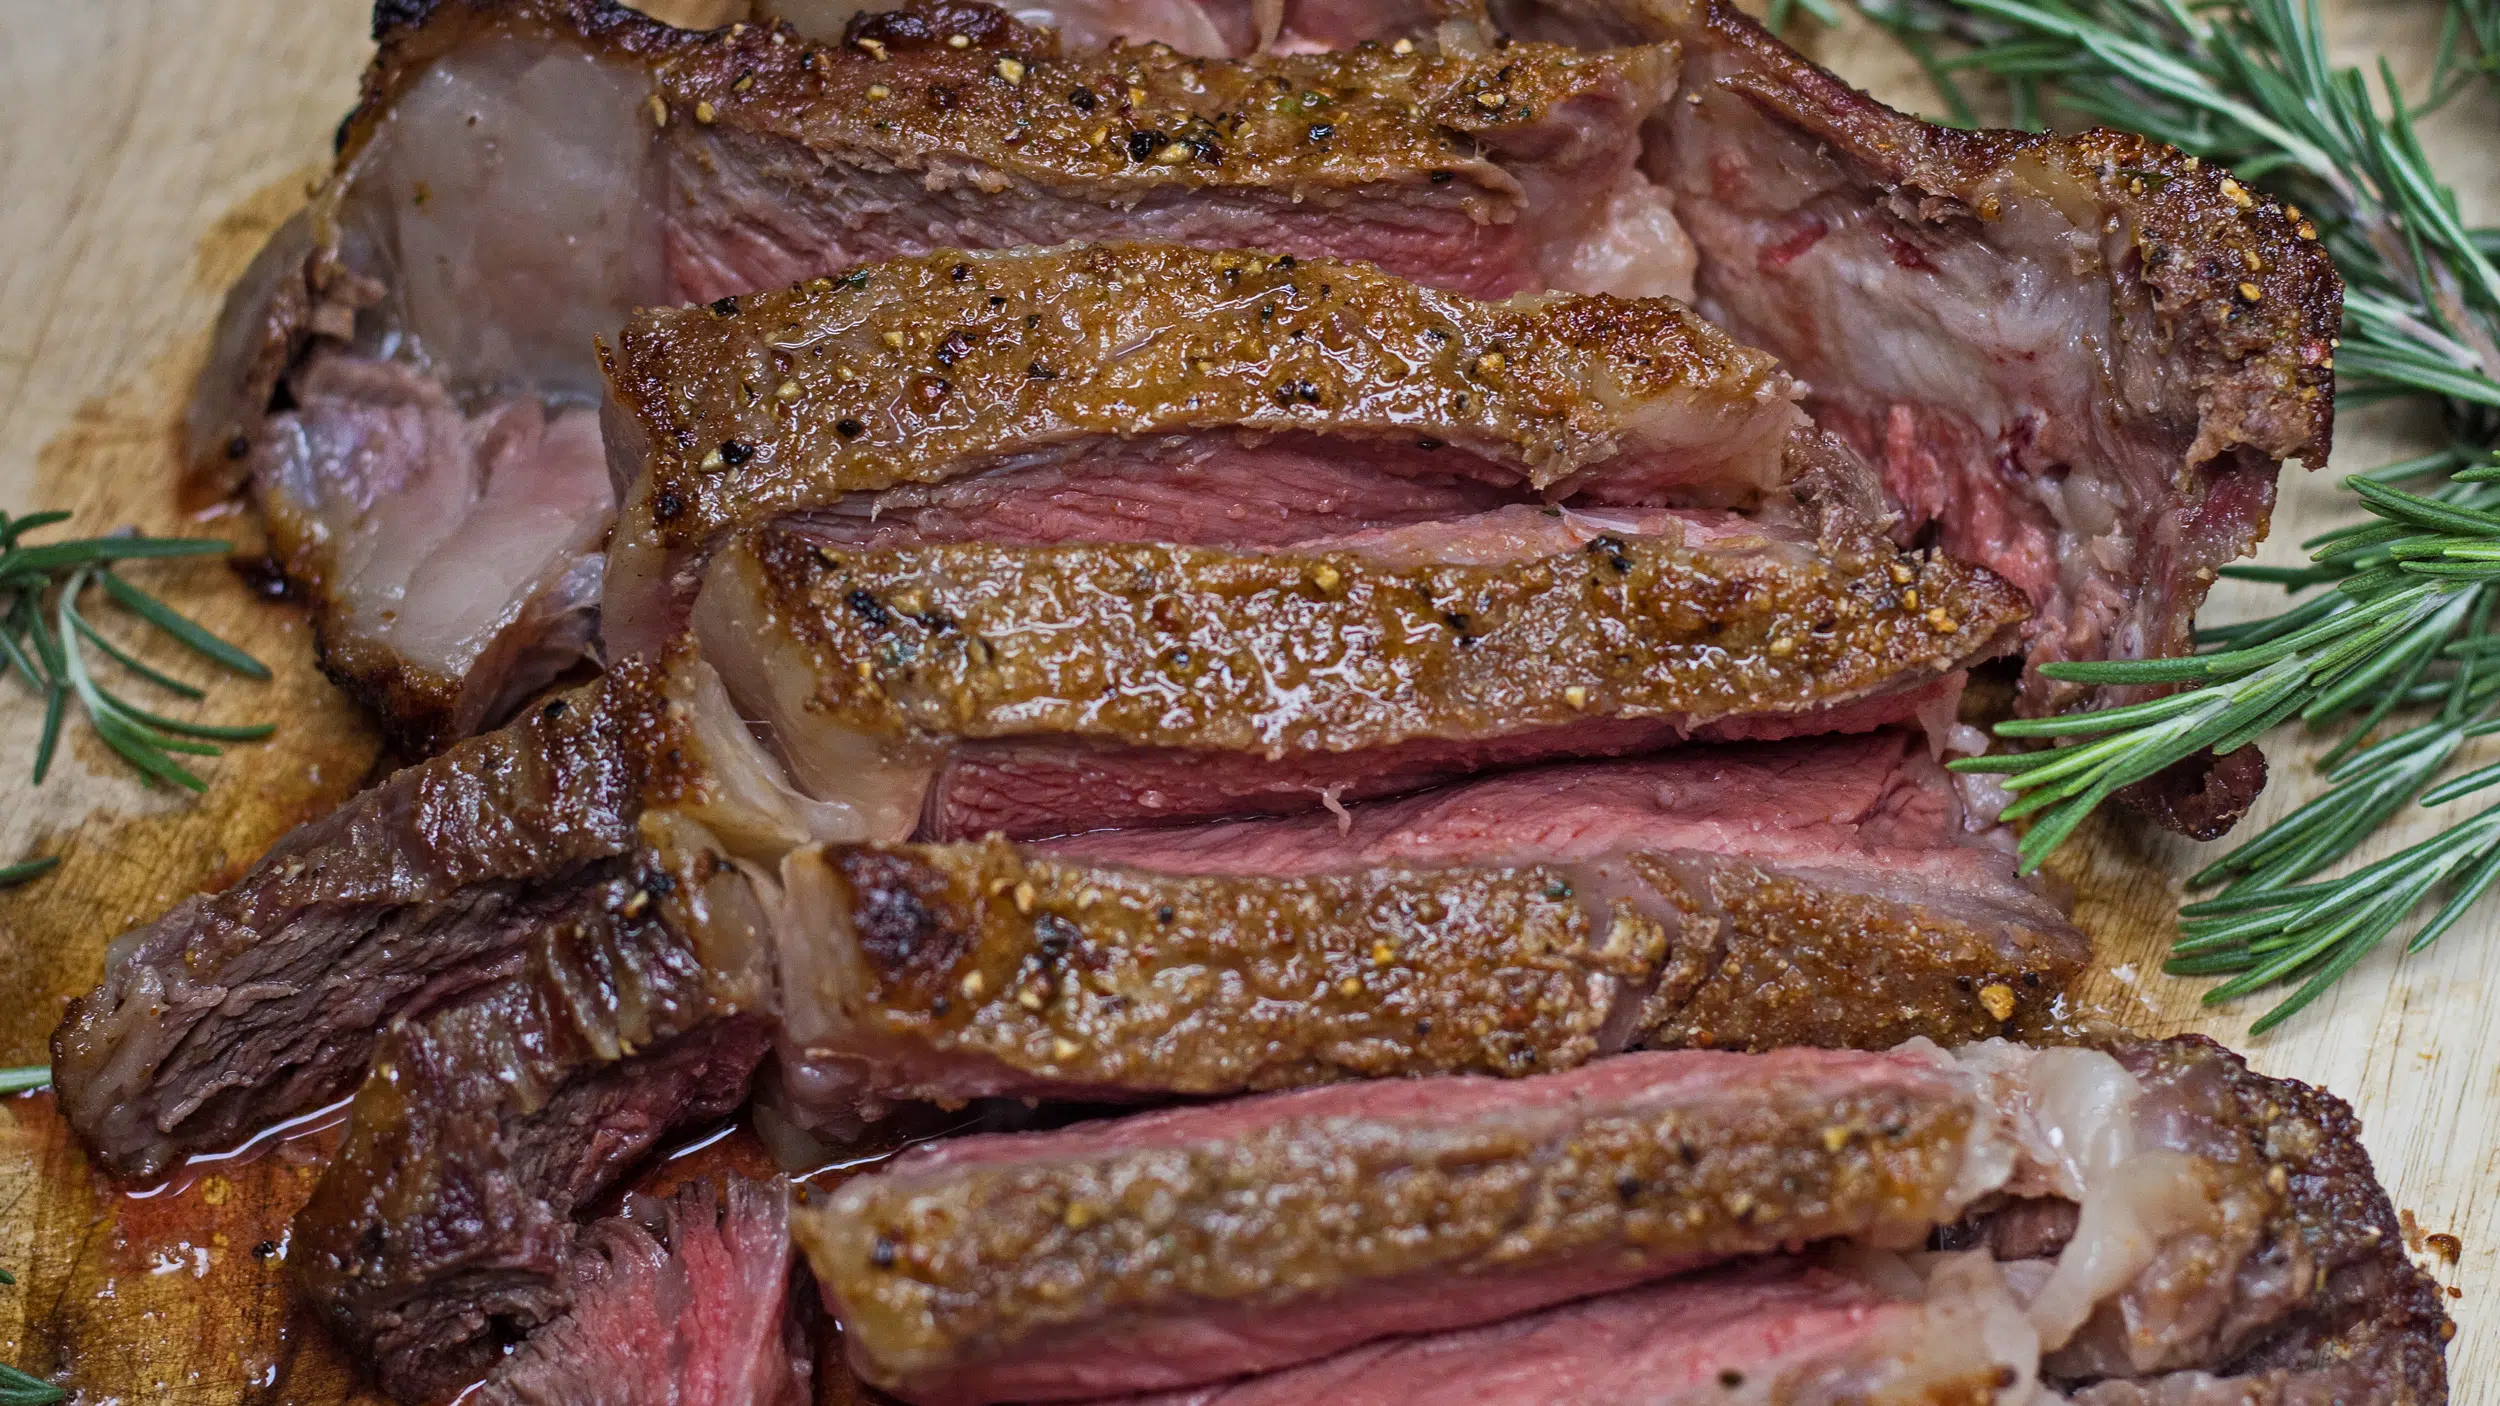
(445, 1222)
(2262, 368)
(2201, 796)
(936, 1272)
(921, 369)
(980, 641)
(1063, 971)
(988, 952)
(2369, 1307)
(1769, 960)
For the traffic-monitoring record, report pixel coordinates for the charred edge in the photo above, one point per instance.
(905, 914)
(932, 24)
(2372, 1306)
(2200, 796)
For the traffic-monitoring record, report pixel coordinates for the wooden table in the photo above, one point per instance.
(147, 147)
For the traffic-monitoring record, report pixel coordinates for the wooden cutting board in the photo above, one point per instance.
(147, 147)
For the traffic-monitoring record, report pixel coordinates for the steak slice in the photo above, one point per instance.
(1188, 1246)
(1038, 691)
(1159, 365)
(676, 1302)
(1197, 1244)
(406, 374)
(1818, 893)
(443, 1231)
(241, 1008)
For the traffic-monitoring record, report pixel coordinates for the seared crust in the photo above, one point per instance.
(936, 1270)
(923, 369)
(2262, 367)
(2366, 1305)
(1393, 119)
(1104, 978)
(1194, 648)
(1036, 971)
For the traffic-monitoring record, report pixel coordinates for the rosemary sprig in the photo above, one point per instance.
(46, 639)
(2399, 608)
(19, 1389)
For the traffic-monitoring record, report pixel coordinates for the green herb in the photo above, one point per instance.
(49, 642)
(2398, 613)
(24, 1077)
(19, 1389)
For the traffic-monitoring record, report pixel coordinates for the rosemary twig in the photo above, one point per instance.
(47, 636)
(2400, 609)
(19, 1389)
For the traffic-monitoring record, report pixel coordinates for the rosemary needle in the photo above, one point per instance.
(24, 1078)
(2399, 611)
(52, 646)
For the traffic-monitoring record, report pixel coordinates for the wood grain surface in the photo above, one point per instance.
(146, 148)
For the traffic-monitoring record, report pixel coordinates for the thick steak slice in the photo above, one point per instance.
(406, 374)
(444, 1228)
(265, 998)
(676, 1302)
(2215, 1224)
(1818, 893)
(241, 1008)
(1190, 369)
(1197, 1244)
(1039, 691)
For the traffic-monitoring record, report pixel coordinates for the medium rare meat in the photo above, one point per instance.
(676, 1302)
(1185, 1247)
(2082, 359)
(1196, 1244)
(1038, 691)
(406, 374)
(1156, 392)
(1776, 1332)
(1821, 892)
(2078, 359)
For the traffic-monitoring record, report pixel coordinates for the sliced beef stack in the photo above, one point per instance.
(1122, 618)
(523, 173)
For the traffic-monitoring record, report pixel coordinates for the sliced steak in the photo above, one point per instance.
(1119, 367)
(240, 1008)
(1039, 691)
(676, 1302)
(406, 373)
(263, 999)
(1193, 1245)
(1818, 893)
(2081, 358)
(443, 1231)
(1197, 1244)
